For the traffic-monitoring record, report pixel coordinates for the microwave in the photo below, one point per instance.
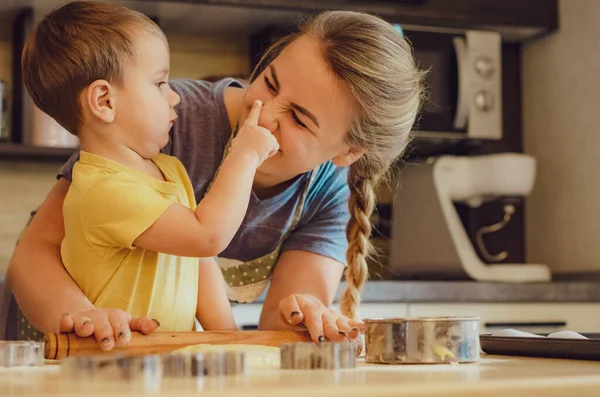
(463, 80)
(463, 84)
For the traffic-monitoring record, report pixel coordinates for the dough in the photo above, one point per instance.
(559, 334)
(257, 357)
(513, 333)
(566, 335)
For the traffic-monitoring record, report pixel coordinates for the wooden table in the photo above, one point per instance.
(493, 376)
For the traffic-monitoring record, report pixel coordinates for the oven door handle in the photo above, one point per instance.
(462, 101)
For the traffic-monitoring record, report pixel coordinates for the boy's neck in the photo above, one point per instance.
(119, 153)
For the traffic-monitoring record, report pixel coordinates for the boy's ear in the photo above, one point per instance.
(348, 157)
(100, 100)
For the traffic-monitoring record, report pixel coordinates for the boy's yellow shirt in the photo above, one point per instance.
(108, 205)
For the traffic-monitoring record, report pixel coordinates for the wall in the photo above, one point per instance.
(561, 109)
(23, 186)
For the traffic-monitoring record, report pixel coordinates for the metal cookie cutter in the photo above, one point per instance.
(21, 354)
(422, 340)
(204, 364)
(132, 368)
(111, 367)
(327, 355)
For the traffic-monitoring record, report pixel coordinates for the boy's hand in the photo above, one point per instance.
(255, 139)
(109, 326)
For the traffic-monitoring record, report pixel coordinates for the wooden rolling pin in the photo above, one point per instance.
(61, 345)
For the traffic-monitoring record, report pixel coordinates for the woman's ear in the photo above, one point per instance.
(100, 100)
(348, 157)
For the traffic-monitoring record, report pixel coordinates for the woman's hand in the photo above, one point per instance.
(109, 326)
(307, 312)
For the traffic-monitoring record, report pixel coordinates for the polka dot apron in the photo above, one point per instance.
(246, 281)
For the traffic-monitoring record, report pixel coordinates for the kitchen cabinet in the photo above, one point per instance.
(15, 151)
(516, 20)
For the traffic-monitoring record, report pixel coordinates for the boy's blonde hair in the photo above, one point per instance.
(378, 67)
(75, 45)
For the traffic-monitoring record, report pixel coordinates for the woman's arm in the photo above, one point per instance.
(36, 275)
(302, 288)
(45, 291)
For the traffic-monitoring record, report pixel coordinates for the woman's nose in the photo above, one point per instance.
(268, 117)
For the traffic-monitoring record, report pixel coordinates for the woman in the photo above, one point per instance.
(341, 97)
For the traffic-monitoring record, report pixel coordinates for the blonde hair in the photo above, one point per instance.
(73, 46)
(377, 65)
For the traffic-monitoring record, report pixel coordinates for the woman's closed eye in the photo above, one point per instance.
(297, 120)
(295, 117)
(270, 85)
(161, 83)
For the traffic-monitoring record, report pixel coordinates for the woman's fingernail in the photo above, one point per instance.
(106, 341)
(321, 339)
(355, 329)
(86, 322)
(294, 313)
(157, 322)
(123, 335)
(342, 333)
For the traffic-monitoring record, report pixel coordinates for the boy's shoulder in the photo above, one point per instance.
(96, 173)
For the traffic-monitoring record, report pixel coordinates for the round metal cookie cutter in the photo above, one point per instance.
(422, 340)
(132, 368)
(21, 354)
(326, 355)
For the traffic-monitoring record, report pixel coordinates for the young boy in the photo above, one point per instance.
(133, 232)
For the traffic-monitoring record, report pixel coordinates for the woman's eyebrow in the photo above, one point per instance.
(299, 108)
(275, 79)
(305, 112)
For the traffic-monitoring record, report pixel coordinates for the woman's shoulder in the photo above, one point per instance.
(195, 93)
(330, 180)
(203, 123)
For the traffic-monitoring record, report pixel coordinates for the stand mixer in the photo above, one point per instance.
(428, 237)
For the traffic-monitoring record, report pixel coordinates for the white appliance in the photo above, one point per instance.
(428, 237)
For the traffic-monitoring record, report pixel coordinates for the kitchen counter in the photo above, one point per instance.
(390, 291)
(477, 292)
(493, 376)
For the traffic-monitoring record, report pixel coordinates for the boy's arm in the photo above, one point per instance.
(208, 230)
(214, 310)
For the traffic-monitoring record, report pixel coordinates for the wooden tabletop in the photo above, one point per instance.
(492, 376)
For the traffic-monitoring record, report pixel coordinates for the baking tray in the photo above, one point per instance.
(578, 349)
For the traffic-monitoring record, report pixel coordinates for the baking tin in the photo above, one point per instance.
(422, 340)
(577, 349)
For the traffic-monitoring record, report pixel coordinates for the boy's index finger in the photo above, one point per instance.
(254, 114)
